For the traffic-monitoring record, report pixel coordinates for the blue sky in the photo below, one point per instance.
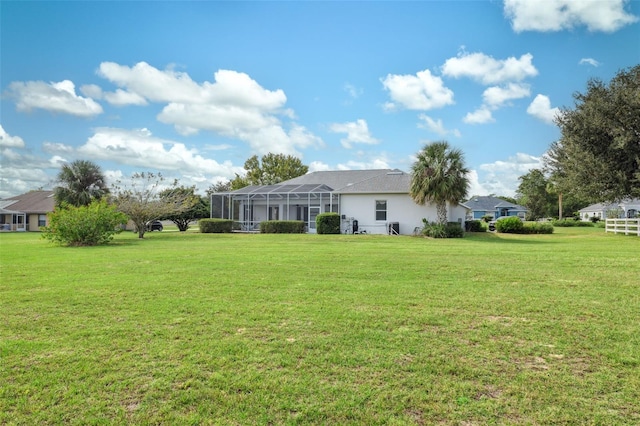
(193, 89)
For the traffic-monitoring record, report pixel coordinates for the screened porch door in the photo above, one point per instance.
(313, 212)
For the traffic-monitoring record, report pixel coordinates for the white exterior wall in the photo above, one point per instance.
(400, 208)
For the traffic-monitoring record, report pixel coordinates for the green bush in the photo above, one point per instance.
(436, 230)
(487, 218)
(328, 223)
(571, 222)
(215, 226)
(90, 225)
(282, 227)
(474, 226)
(594, 219)
(537, 228)
(510, 225)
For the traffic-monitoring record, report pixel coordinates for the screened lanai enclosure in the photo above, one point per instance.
(253, 204)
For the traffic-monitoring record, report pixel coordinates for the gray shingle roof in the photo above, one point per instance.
(392, 181)
(31, 202)
(489, 203)
(336, 179)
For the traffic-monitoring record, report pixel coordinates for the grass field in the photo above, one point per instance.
(316, 329)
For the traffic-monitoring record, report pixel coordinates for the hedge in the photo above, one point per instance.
(474, 226)
(282, 227)
(328, 223)
(571, 222)
(215, 226)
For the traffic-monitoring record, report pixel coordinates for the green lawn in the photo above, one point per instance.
(316, 329)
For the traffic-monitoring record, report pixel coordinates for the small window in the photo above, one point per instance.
(381, 210)
(42, 220)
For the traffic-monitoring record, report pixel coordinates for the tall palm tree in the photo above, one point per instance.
(439, 176)
(79, 183)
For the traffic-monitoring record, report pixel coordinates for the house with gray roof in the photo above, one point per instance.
(26, 212)
(628, 208)
(495, 207)
(368, 201)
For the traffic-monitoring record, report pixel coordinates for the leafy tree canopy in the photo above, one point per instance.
(199, 207)
(79, 183)
(597, 157)
(269, 170)
(532, 193)
(141, 201)
(439, 176)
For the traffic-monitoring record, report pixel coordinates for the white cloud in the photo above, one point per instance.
(557, 15)
(435, 126)
(497, 96)
(6, 140)
(487, 70)
(122, 97)
(54, 97)
(91, 91)
(540, 108)
(589, 61)
(357, 132)
(422, 91)
(140, 148)
(318, 166)
(501, 177)
(23, 171)
(480, 116)
(234, 106)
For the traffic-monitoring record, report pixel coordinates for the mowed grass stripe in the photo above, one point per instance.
(189, 328)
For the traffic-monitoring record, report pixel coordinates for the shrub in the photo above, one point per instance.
(282, 227)
(571, 222)
(510, 225)
(436, 230)
(537, 228)
(594, 219)
(215, 226)
(328, 223)
(90, 225)
(487, 218)
(474, 226)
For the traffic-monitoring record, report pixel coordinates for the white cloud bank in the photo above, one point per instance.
(501, 177)
(58, 97)
(557, 15)
(233, 105)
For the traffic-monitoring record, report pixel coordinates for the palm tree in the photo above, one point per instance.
(80, 182)
(439, 176)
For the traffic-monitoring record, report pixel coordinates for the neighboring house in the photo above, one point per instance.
(628, 208)
(371, 201)
(494, 207)
(26, 212)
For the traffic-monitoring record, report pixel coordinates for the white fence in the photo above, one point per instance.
(623, 226)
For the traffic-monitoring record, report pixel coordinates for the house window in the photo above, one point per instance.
(42, 220)
(381, 209)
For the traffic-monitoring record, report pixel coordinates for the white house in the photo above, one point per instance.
(369, 201)
(628, 208)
